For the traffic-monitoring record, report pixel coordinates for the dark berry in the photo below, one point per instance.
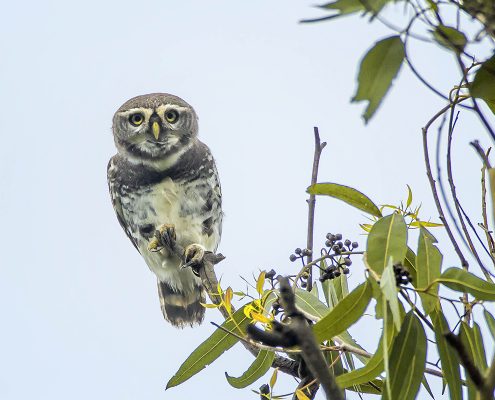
(329, 269)
(355, 245)
(346, 271)
(335, 247)
(347, 242)
(304, 284)
(270, 274)
(298, 251)
(329, 236)
(328, 243)
(264, 389)
(340, 244)
(307, 252)
(293, 257)
(338, 236)
(347, 261)
(336, 274)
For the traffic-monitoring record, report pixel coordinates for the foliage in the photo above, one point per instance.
(405, 282)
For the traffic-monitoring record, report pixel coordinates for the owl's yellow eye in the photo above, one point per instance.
(136, 119)
(171, 116)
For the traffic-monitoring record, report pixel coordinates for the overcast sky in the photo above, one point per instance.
(79, 308)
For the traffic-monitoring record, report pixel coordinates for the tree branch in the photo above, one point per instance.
(205, 270)
(312, 203)
(297, 332)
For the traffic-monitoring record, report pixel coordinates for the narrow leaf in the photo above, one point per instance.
(210, 349)
(372, 368)
(256, 370)
(428, 266)
(473, 343)
(260, 282)
(346, 7)
(450, 38)
(407, 360)
(344, 314)
(448, 357)
(347, 194)
(308, 303)
(490, 321)
(410, 264)
(462, 281)
(483, 85)
(378, 69)
(409, 196)
(273, 379)
(387, 239)
(389, 289)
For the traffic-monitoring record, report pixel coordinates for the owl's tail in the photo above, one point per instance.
(180, 308)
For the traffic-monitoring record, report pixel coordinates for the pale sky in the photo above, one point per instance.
(80, 312)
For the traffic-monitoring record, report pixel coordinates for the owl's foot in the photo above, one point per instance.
(165, 237)
(193, 256)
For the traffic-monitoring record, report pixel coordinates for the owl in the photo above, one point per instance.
(164, 176)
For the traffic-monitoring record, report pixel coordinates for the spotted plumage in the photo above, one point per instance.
(162, 174)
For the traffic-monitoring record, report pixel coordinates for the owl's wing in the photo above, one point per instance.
(117, 205)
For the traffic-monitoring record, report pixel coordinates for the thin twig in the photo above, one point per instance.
(433, 185)
(319, 146)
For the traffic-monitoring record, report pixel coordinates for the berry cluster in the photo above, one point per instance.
(299, 253)
(334, 242)
(334, 271)
(402, 276)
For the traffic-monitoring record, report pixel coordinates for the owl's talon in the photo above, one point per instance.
(193, 255)
(164, 237)
(154, 245)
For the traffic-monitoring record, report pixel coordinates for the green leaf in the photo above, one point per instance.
(409, 196)
(210, 349)
(344, 314)
(450, 38)
(407, 360)
(367, 387)
(483, 85)
(387, 239)
(340, 286)
(351, 6)
(471, 337)
(256, 370)
(410, 264)
(490, 321)
(448, 357)
(378, 69)
(310, 304)
(347, 194)
(428, 267)
(389, 289)
(462, 281)
(372, 368)
(473, 343)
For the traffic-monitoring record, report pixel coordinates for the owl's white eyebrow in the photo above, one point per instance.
(146, 111)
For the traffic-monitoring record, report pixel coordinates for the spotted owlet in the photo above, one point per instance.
(162, 175)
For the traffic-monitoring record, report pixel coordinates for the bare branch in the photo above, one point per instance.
(319, 146)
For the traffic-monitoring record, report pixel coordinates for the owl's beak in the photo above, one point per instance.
(155, 128)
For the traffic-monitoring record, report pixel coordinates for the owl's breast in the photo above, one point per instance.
(186, 205)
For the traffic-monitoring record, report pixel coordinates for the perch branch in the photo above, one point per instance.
(297, 332)
(205, 270)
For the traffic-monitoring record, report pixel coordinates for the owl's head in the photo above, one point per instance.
(154, 126)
